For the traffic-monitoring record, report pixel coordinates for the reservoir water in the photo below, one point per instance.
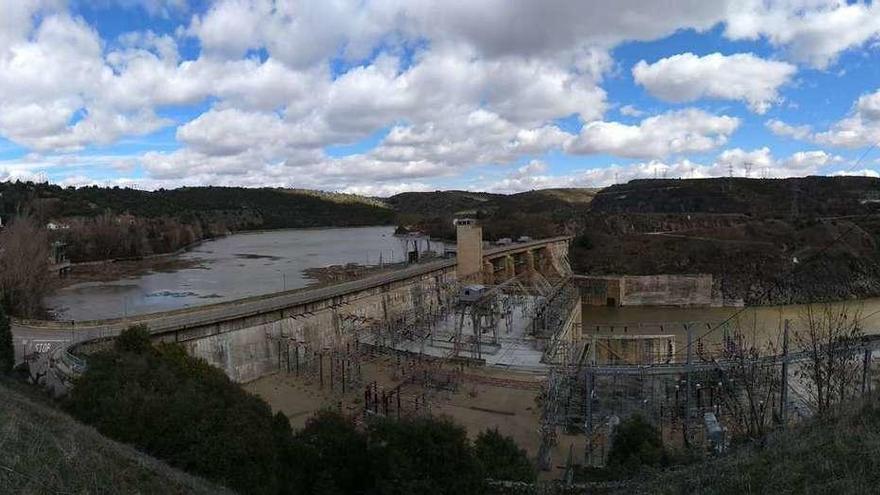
(234, 267)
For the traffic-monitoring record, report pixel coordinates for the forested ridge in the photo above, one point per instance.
(107, 223)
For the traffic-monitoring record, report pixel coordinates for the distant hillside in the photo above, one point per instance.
(752, 234)
(47, 451)
(766, 241)
(263, 207)
(774, 198)
(541, 213)
(440, 202)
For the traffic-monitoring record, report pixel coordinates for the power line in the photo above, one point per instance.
(862, 157)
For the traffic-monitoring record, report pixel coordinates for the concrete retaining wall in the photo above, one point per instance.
(668, 290)
(649, 290)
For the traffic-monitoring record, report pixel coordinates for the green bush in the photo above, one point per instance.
(135, 340)
(424, 456)
(636, 443)
(502, 459)
(181, 410)
(330, 456)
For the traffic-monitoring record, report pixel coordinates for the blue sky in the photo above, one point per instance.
(382, 97)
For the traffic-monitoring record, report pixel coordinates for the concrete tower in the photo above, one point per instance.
(469, 240)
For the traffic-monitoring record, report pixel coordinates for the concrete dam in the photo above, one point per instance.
(464, 308)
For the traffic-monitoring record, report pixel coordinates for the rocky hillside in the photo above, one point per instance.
(766, 241)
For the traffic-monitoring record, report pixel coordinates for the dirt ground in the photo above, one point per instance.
(114, 270)
(484, 398)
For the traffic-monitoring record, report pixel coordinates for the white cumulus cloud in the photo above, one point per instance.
(814, 32)
(681, 131)
(687, 77)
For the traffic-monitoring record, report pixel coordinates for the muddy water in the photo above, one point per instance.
(762, 324)
(233, 267)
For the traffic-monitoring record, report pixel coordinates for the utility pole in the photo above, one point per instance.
(783, 394)
(589, 457)
(687, 395)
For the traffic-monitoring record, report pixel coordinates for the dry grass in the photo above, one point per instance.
(837, 455)
(43, 450)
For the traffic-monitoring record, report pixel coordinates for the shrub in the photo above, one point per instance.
(179, 409)
(330, 455)
(135, 339)
(424, 456)
(501, 458)
(636, 443)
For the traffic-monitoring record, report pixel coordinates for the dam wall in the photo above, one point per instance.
(252, 347)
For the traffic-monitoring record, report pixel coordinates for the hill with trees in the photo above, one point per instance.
(111, 223)
(766, 241)
(542, 213)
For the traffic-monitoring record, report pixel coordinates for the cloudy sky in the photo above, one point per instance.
(378, 97)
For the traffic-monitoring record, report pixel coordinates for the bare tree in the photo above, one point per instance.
(24, 266)
(749, 381)
(108, 236)
(830, 336)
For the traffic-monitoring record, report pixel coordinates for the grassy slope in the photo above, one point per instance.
(43, 450)
(839, 455)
